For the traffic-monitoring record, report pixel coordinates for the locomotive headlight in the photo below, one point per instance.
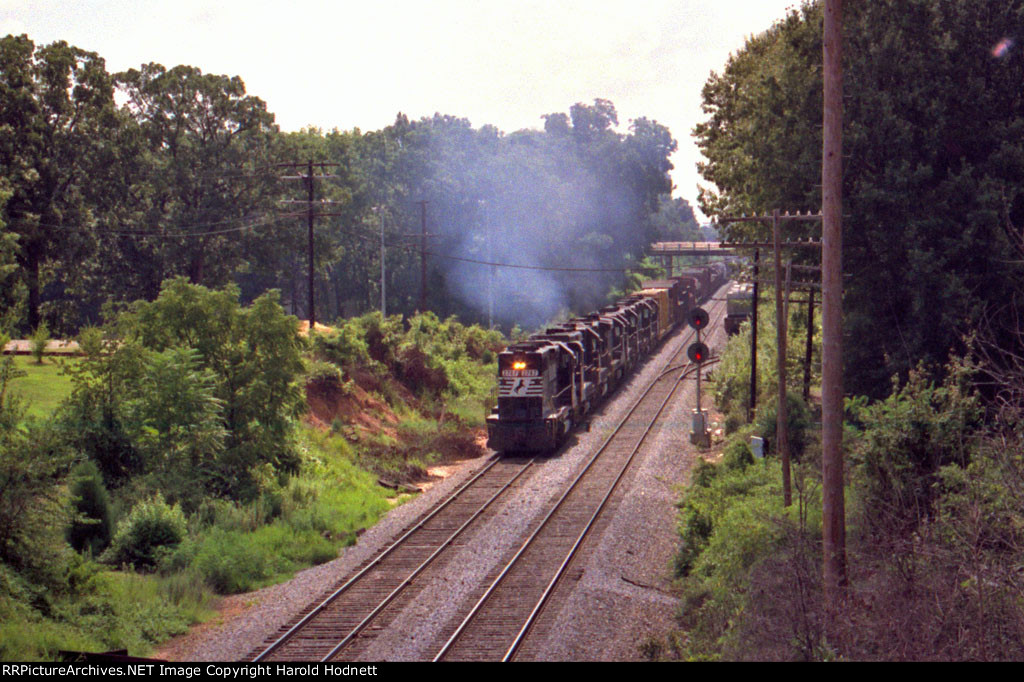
(519, 364)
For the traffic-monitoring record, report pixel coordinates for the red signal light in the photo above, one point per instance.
(697, 352)
(697, 318)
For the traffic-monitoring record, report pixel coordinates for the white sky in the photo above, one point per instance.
(346, 64)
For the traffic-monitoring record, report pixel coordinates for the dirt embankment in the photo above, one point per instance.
(401, 453)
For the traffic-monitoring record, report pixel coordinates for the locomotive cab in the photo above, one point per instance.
(537, 396)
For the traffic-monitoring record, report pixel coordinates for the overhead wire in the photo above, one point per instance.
(288, 216)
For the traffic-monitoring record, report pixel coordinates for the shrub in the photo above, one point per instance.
(343, 346)
(90, 530)
(152, 529)
(40, 337)
(737, 456)
(798, 417)
(906, 439)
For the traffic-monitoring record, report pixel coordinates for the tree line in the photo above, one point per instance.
(932, 163)
(111, 183)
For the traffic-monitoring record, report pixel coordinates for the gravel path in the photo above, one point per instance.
(622, 593)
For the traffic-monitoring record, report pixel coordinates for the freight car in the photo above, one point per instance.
(548, 383)
(738, 306)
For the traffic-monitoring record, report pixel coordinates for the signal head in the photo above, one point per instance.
(698, 318)
(698, 353)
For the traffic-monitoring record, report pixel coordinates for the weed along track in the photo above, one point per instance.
(471, 578)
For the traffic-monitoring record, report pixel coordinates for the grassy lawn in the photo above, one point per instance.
(43, 387)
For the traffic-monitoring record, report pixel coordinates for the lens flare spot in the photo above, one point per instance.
(1002, 48)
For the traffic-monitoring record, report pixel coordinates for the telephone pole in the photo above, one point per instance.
(833, 507)
(423, 255)
(311, 215)
(781, 319)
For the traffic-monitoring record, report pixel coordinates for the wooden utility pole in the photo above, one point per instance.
(423, 254)
(781, 409)
(311, 215)
(833, 508)
(753, 339)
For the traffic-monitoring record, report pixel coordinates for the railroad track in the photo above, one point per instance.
(508, 607)
(344, 622)
(339, 617)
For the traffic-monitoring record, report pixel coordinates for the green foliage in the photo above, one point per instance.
(737, 455)
(33, 500)
(193, 131)
(644, 270)
(111, 611)
(242, 371)
(732, 524)
(730, 380)
(932, 124)
(93, 419)
(57, 129)
(91, 528)
(40, 338)
(438, 360)
(905, 442)
(345, 345)
(798, 421)
(715, 490)
(152, 529)
(176, 424)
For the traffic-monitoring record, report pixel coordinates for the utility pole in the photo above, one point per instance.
(753, 339)
(383, 291)
(782, 421)
(781, 410)
(423, 255)
(833, 506)
(312, 308)
(809, 349)
(311, 215)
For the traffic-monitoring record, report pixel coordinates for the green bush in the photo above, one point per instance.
(40, 337)
(731, 528)
(798, 417)
(904, 442)
(344, 346)
(91, 527)
(152, 529)
(737, 455)
(715, 489)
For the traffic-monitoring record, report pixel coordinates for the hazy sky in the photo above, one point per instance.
(346, 64)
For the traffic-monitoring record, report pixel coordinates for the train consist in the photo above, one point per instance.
(548, 383)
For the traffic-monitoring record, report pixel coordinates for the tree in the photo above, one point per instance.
(250, 357)
(208, 185)
(932, 137)
(675, 221)
(57, 119)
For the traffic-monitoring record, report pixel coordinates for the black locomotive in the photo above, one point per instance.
(548, 383)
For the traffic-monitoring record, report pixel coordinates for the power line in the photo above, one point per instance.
(287, 216)
(173, 235)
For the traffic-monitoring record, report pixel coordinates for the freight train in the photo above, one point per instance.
(550, 382)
